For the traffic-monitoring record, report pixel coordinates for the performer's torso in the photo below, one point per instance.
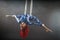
(23, 18)
(29, 19)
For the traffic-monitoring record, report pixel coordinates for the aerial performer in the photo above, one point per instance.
(25, 20)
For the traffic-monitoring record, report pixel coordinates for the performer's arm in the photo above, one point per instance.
(14, 17)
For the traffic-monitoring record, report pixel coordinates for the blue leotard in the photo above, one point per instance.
(29, 20)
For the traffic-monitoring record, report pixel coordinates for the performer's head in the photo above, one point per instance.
(23, 25)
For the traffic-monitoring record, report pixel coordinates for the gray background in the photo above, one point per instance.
(47, 11)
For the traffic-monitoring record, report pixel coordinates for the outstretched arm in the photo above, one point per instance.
(14, 17)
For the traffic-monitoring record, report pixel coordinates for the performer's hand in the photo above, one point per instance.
(48, 30)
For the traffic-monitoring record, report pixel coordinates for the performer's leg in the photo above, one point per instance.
(17, 19)
(10, 15)
(47, 29)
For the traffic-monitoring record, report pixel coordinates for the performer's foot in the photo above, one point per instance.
(7, 15)
(47, 30)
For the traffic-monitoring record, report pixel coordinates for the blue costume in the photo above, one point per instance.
(29, 20)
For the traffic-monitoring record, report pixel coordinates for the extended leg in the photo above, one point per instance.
(14, 17)
(10, 15)
(47, 29)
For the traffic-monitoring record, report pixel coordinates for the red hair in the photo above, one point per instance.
(24, 32)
